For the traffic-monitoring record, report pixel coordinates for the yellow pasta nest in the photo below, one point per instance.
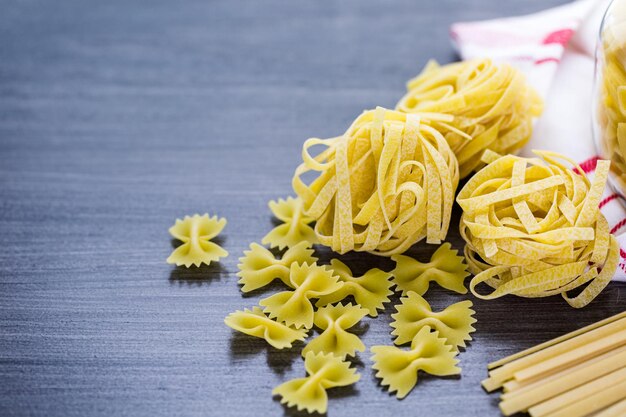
(258, 267)
(334, 320)
(294, 307)
(493, 107)
(255, 323)
(533, 228)
(196, 232)
(611, 106)
(370, 291)
(295, 227)
(385, 184)
(324, 371)
(398, 368)
(445, 268)
(454, 323)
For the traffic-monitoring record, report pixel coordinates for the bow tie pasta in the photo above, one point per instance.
(255, 323)
(295, 227)
(384, 185)
(533, 228)
(196, 232)
(324, 371)
(493, 107)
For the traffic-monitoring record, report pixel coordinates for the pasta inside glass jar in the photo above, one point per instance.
(610, 93)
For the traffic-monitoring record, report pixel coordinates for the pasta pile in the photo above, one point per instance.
(610, 113)
(385, 184)
(582, 373)
(314, 296)
(196, 232)
(492, 105)
(533, 228)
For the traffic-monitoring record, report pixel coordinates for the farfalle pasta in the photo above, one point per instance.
(258, 267)
(493, 107)
(294, 307)
(196, 233)
(445, 268)
(454, 323)
(295, 227)
(334, 320)
(324, 371)
(255, 323)
(398, 368)
(370, 291)
(385, 184)
(533, 228)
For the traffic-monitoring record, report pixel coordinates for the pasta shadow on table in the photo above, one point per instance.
(280, 361)
(198, 276)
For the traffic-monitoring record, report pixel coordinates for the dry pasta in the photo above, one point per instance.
(196, 232)
(398, 368)
(294, 307)
(370, 291)
(295, 227)
(334, 320)
(255, 323)
(258, 267)
(610, 113)
(445, 268)
(385, 184)
(324, 371)
(493, 107)
(454, 323)
(533, 228)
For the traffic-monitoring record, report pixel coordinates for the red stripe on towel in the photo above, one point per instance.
(607, 200)
(618, 226)
(589, 165)
(544, 60)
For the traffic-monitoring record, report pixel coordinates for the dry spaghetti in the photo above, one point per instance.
(386, 183)
(533, 228)
(492, 105)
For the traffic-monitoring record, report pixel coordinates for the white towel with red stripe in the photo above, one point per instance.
(555, 49)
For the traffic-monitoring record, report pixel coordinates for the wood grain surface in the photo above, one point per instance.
(118, 116)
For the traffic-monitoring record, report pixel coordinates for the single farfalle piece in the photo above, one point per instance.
(370, 291)
(196, 232)
(259, 266)
(255, 323)
(454, 323)
(334, 320)
(445, 268)
(295, 227)
(398, 368)
(294, 307)
(324, 371)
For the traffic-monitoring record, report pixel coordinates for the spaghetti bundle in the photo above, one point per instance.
(492, 105)
(386, 183)
(533, 228)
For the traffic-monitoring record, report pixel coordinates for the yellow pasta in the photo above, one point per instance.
(324, 371)
(334, 320)
(493, 107)
(258, 267)
(398, 368)
(610, 112)
(385, 184)
(295, 227)
(413, 313)
(196, 232)
(294, 307)
(370, 291)
(255, 323)
(445, 268)
(532, 228)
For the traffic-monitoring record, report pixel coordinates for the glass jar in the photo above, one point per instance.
(610, 93)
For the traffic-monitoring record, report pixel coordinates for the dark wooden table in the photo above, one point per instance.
(118, 116)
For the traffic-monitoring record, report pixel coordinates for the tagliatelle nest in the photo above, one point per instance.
(385, 184)
(533, 228)
(493, 106)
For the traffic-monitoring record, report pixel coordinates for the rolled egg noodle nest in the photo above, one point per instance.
(533, 228)
(385, 184)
